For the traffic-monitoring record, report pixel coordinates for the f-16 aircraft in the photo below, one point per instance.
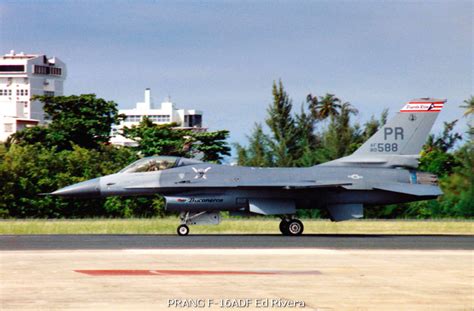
(381, 171)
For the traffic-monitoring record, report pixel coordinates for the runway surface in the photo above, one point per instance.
(164, 279)
(340, 241)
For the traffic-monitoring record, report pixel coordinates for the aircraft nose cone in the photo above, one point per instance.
(88, 188)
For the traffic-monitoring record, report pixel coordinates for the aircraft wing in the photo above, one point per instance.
(411, 189)
(267, 185)
(298, 185)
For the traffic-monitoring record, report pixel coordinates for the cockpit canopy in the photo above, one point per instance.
(157, 163)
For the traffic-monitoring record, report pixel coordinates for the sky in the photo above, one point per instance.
(222, 57)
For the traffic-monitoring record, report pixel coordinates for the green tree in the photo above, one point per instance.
(159, 139)
(329, 106)
(340, 137)
(435, 157)
(26, 171)
(458, 198)
(83, 120)
(456, 169)
(167, 139)
(307, 141)
(445, 141)
(258, 153)
(468, 113)
(373, 125)
(212, 145)
(469, 106)
(324, 107)
(283, 141)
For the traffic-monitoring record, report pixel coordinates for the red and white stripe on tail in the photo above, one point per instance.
(424, 105)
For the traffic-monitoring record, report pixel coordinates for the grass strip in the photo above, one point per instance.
(233, 226)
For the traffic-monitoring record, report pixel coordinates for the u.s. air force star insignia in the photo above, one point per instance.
(200, 173)
(355, 176)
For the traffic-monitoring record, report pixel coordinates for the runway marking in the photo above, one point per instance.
(190, 272)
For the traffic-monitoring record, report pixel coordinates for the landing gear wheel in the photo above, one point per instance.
(284, 226)
(295, 227)
(183, 230)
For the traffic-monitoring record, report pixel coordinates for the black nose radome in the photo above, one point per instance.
(89, 188)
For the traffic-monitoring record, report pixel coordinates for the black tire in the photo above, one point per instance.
(183, 230)
(295, 227)
(284, 227)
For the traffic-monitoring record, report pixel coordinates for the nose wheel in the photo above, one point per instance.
(291, 226)
(183, 230)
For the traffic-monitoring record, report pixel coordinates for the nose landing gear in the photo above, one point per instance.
(197, 218)
(291, 226)
(183, 230)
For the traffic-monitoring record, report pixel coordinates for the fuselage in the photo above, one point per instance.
(214, 179)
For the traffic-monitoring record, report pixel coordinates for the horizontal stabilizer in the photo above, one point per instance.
(411, 189)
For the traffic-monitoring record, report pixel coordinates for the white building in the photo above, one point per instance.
(167, 113)
(21, 76)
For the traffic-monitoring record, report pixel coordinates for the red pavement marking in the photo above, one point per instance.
(187, 272)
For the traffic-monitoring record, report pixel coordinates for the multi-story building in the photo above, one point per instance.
(22, 76)
(167, 113)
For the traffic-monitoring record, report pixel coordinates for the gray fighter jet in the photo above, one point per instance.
(381, 171)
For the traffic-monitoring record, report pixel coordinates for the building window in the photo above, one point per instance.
(48, 93)
(195, 120)
(1, 92)
(42, 70)
(8, 127)
(133, 118)
(56, 71)
(159, 118)
(45, 70)
(12, 68)
(9, 92)
(26, 92)
(17, 92)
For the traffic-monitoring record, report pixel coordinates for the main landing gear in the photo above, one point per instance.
(291, 226)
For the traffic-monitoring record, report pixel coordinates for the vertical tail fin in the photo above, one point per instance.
(406, 133)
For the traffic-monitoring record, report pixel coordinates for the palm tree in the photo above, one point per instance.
(328, 106)
(469, 106)
(347, 107)
(313, 106)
